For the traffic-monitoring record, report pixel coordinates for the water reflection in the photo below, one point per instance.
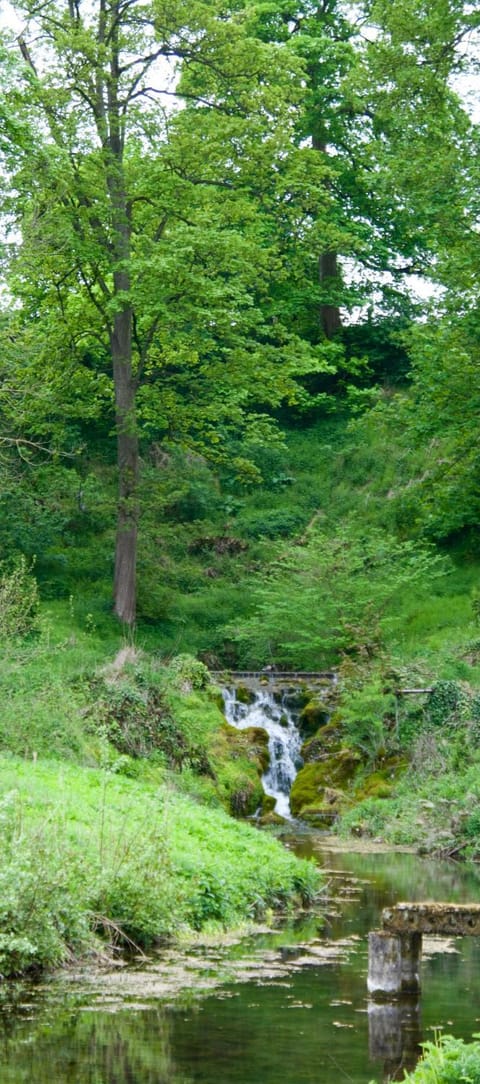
(281, 1012)
(395, 1035)
(84, 1047)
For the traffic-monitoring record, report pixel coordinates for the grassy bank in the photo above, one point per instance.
(117, 776)
(89, 855)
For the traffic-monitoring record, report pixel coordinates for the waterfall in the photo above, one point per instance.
(270, 710)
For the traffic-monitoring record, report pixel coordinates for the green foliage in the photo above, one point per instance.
(270, 523)
(41, 923)
(447, 1061)
(447, 703)
(363, 714)
(19, 600)
(333, 594)
(86, 852)
(188, 673)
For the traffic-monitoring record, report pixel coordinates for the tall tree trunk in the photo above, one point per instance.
(127, 459)
(112, 133)
(328, 314)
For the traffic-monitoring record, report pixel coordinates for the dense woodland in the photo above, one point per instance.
(239, 409)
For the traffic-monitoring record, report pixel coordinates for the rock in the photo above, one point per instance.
(327, 740)
(319, 816)
(271, 818)
(244, 695)
(379, 784)
(312, 716)
(332, 772)
(268, 805)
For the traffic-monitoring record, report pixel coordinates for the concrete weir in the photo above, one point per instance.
(394, 952)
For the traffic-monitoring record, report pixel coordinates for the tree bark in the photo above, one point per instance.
(125, 588)
(127, 457)
(329, 314)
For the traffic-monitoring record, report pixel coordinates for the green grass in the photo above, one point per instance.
(86, 852)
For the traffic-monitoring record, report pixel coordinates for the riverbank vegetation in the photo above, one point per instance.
(115, 789)
(93, 861)
(447, 1061)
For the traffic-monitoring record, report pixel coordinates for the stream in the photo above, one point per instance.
(287, 1004)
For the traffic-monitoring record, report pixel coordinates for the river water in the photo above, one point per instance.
(286, 1006)
(289, 1005)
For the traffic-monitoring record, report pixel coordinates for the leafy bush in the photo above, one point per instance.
(447, 703)
(139, 723)
(188, 673)
(40, 918)
(363, 713)
(447, 1061)
(270, 523)
(18, 600)
(333, 594)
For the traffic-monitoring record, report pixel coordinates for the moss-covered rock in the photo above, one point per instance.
(334, 771)
(244, 695)
(216, 696)
(254, 742)
(293, 696)
(381, 782)
(268, 804)
(312, 716)
(326, 740)
(240, 758)
(271, 818)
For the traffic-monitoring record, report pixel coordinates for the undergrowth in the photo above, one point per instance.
(447, 1061)
(91, 858)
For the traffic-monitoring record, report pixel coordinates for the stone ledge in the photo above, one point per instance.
(457, 919)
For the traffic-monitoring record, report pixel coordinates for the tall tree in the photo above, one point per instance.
(100, 185)
(378, 103)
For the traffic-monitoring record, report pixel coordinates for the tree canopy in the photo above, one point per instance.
(190, 191)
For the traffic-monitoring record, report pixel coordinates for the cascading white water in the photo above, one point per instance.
(273, 714)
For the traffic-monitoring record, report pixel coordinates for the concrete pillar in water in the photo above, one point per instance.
(411, 952)
(384, 963)
(393, 962)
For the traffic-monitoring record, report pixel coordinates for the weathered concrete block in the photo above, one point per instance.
(434, 917)
(393, 962)
(384, 962)
(411, 948)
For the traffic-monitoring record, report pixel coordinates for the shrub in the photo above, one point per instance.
(447, 1061)
(447, 703)
(331, 595)
(18, 600)
(188, 673)
(363, 713)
